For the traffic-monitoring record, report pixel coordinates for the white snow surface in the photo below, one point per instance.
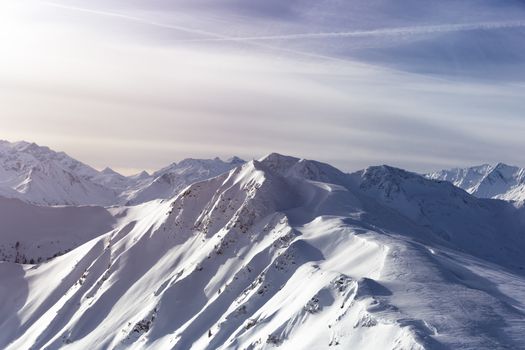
(276, 253)
(501, 181)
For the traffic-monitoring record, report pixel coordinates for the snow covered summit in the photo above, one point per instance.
(501, 181)
(39, 175)
(167, 182)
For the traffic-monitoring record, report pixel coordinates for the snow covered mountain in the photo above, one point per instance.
(39, 175)
(280, 252)
(168, 181)
(486, 181)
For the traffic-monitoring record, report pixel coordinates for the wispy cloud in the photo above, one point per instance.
(418, 30)
(82, 81)
(137, 19)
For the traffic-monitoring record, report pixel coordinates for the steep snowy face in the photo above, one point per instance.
(167, 182)
(39, 175)
(21, 155)
(113, 180)
(465, 178)
(444, 214)
(500, 181)
(504, 182)
(302, 168)
(278, 252)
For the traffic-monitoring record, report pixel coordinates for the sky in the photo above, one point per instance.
(136, 84)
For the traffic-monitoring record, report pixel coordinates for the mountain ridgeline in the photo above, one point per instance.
(486, 181)
(39, 175)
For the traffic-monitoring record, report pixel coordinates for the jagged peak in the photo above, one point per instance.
(483, 169)
(481, 166)
(501, 181)
(198, 161)
(14, 143)
(109, 171)
(32, 146)
(277, 163)
(391, 181)
(386, 171)
(505, 169)
(502, 165)
(277, 158)
(289, 166)
(457, 171)
(235, 160)
(142, 175)
(484, 166)
(25, 146)
(508, 174)
(194, 162)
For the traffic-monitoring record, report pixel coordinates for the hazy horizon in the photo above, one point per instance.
(136, 171)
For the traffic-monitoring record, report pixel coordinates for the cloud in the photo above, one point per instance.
(135, 19)
(109, 98)
(399, 31)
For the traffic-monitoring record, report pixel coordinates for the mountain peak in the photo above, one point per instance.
(275, 157)
(25, 146)
(278, 162)
(168, 181)
(142, 175)
(400, 186)
(380, 173)
(235, 160)
(109, 171)
(501, 181)
(197, 161)
(506, 170)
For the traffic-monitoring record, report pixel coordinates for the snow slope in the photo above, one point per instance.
(500, 181)
(284, 252)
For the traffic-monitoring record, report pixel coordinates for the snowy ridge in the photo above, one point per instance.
(284, 252)
(500, 181)
(167, 182)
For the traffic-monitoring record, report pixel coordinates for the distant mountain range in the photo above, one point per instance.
(39, 175)
(486, 181)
